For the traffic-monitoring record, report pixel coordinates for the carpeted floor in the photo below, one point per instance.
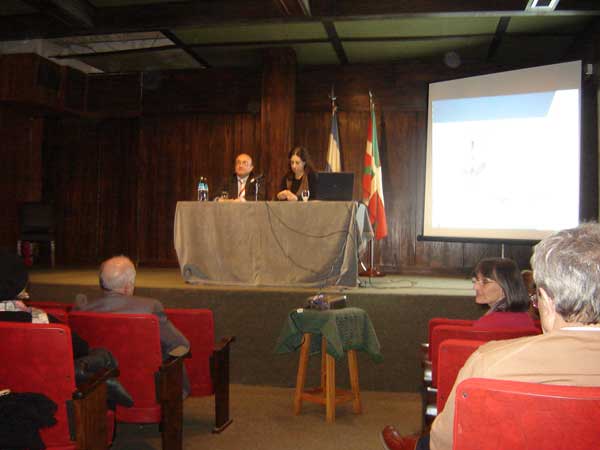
(263, 419)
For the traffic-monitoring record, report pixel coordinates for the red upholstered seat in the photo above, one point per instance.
(453, 353)
(154, 385)
(208, 366)
(56, 309)
(443, 332)
(197, 325)
(435, 321)
(39, 358)
(498, 415)
(135, 341)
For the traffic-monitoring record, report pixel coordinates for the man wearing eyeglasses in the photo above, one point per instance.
(566, 269)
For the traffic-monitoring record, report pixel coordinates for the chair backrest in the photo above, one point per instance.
(452, 355)
(197, 325)
(36, 217)
(39, 358)
(56, 309)
(43, 305)
(498, 414)
(134, 339)
(435, 321)
(443, 332)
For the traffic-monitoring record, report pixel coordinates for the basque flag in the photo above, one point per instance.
(372, 185)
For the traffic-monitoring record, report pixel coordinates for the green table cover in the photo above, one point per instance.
(345, 329)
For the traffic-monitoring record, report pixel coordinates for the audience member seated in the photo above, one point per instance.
(566, 268)
(498, 284)
(300, 177)
(13, 284)
(117, 281)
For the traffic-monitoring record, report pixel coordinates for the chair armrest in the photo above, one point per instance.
(85, 389)
(223, 343)
(89, 427)
(173, 360)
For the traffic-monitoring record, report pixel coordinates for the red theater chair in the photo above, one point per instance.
(56, 309)
(441, 333)
(208, 366)
(453, 354)
(156, 387)
(498, 415)
(39, 358)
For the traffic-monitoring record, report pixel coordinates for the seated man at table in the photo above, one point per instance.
(242, 185)
(117, 280)
(566, 270)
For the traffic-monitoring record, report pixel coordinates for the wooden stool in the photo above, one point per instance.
(326, 394)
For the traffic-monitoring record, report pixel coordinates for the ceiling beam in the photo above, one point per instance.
(71, 13)
(186, 48)
(497, 39)
(335, 42)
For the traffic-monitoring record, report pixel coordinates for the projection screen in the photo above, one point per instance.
(503, 155)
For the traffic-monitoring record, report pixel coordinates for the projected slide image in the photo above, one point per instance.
(506, 162)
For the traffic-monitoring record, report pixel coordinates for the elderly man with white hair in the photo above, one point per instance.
(566, 268)
(117, 281)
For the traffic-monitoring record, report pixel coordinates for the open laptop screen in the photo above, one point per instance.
(337, 186)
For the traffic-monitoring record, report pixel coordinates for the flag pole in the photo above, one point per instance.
(371, 271)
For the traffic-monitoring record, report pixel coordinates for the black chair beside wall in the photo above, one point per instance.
(36, 224)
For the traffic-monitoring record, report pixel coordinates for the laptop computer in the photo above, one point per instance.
(336, 186)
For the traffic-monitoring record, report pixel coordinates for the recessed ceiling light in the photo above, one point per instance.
(541, 5)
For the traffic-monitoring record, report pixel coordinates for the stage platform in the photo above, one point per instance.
(399, 307)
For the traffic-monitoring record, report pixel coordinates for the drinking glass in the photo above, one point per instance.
(224, 195)
(305, 194)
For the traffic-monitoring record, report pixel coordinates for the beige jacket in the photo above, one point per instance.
(560, 357)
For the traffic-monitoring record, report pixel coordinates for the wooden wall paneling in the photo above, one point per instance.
(117, 188)
(312, 131)
(202, 91)
(278, 106)
(71, 160)
(400, 159)
(114, 95)
(174, 152)
(21, 168)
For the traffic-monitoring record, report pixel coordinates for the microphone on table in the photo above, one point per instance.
(257, 178)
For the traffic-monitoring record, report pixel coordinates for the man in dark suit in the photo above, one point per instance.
(117, 280)
(241, 186)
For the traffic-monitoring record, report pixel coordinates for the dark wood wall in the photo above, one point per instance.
(116, 173)
(20, 168)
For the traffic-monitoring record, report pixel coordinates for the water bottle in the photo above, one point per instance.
(202, 190)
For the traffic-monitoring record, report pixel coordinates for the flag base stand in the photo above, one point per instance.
(370, 271)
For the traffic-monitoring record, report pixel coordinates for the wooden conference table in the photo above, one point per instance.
(312, 244)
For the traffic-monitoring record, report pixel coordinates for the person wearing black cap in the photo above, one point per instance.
(13, 282)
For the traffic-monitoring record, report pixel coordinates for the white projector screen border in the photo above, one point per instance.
(478, 214)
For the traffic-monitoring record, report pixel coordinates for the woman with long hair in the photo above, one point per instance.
(300, 177)
(498, 284)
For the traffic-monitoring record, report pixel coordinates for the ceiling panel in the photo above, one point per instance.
(251, 33)
(409, 27)
(306, 54)
(548, 24)
(143, 61)
(10, 7)
(363, 52)
(524, 49)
